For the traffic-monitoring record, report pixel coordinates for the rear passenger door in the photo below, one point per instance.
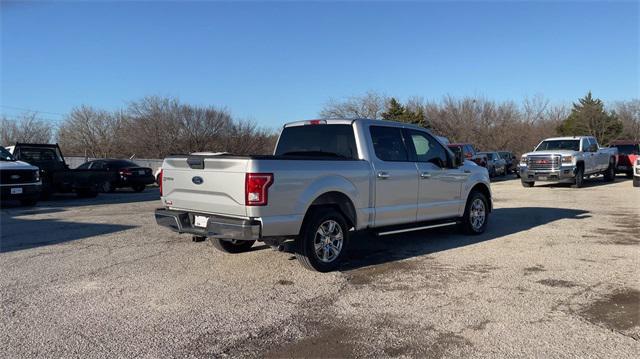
(395, 177)
(440, 182)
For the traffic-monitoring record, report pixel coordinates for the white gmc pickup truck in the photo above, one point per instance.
(569, 160)
(326, 179)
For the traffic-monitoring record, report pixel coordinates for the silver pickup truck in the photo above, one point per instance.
(326, 179)
(568, 160)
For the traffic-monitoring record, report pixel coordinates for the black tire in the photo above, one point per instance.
(629, 175)
(331, 222)
(28, 202)
(579, 178)
(230, 246)
(471, 219)
(107, 187)
(527, 184)
(636, 181)
(492, 172)
(610, 174)
(138, 188)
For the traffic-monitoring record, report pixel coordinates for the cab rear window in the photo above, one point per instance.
(334, 141)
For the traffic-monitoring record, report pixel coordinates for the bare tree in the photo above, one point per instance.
(91, 132)
(629, 113)
(370, 105)
(25, 128)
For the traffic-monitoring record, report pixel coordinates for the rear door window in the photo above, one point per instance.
(318, 140)
(388, 143)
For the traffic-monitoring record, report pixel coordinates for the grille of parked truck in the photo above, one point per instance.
(326, 179)
(568, 160)
(18, 180)
(636, 173)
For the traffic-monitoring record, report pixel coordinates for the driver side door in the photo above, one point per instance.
(440, 185)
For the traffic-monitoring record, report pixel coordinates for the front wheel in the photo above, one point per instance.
(636, 181)
(231, 246)
(476, 214)
(579, 178)
(610, 173)
(323, 241)
(527, 184)
(107, 187)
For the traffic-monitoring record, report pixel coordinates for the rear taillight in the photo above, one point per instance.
(256, 189)
(160, 181)
(126, 172)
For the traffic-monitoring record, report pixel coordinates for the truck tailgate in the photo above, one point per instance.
(217, 188)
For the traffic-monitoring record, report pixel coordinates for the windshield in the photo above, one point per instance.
(488, 154)
(627, 149)
(318, 140)
(571, 145)
(5, 155)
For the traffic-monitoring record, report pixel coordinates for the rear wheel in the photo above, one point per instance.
(636, 181)
(610, 173)
(107, 187)
(579, 178)
(231, 245)
(527, 184)
(476, 214)
(138, 188)
(323, 241)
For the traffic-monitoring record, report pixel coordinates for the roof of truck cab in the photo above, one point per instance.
(566, 138)
(625, 142)
(349, 121)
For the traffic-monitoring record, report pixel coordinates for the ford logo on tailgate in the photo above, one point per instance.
(197, 180)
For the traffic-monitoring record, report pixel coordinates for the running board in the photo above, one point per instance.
(417, 228)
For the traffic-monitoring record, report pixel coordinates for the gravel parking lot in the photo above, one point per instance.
(555, 275)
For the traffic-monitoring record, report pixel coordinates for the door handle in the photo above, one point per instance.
(384, 175)
(425, 175)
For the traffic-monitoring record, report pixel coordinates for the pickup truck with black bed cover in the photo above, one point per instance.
(325, 180)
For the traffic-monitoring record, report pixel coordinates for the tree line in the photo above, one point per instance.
(154, 127)
(494, 125)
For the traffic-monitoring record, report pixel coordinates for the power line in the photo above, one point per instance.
(32, 110)
(56, 120)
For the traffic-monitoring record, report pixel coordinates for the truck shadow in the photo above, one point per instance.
(587, 183)
(18, 233)
(368, 250)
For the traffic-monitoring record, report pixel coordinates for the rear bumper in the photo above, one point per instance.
(560, 175)
(217, 226)
(132, 181)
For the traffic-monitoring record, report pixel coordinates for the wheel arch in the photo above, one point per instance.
(484, 189)
(337, 200)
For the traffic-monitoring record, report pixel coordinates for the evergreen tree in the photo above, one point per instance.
(395, 111)
(588, 117)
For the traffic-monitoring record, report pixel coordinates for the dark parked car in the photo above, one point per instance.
(55, 173)
(496, 165)
(124, 173)
(628, 153)
(468, 153)
(512, 161)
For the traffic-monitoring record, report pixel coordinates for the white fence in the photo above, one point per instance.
(153, 163)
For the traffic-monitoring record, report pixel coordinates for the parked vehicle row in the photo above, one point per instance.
(325, 180)
(55, 176)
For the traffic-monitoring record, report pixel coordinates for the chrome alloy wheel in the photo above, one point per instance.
(328, 241)
(478, 214)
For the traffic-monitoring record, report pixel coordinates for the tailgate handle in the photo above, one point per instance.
(196, 162)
